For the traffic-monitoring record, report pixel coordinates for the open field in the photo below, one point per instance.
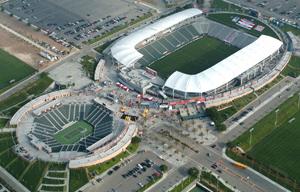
(273, 148)
(74, 133)
(279, 149)
(226, 19)
(13, 103)
(194, 57)
(12, 69)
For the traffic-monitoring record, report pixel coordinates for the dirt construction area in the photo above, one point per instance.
(20, 49)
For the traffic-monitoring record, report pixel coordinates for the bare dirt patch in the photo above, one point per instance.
(20, 49)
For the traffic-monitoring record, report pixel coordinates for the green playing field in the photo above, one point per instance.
(12, 69)
(74, 133)
(194, 57)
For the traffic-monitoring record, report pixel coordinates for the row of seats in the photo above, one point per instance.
(167, 44)
(185, 34)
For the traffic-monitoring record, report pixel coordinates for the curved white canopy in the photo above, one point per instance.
(227, 69)
(124, 49)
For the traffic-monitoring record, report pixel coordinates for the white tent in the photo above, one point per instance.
(124, 49)
(227, 69)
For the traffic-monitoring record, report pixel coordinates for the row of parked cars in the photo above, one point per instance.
(139, 168)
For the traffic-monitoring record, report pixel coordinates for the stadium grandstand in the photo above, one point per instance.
(124, 51)
(65, 125)
(255, 58)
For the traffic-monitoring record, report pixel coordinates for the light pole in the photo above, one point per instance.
(276, 112)
(298, 100)
(250, 139)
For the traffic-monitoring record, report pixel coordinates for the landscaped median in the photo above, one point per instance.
(212, 182)
(193, 174)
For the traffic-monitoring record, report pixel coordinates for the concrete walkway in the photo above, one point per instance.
(7, 130)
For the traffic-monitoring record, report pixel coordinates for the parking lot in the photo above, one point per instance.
(131, 176)
(283, 8)
(76, 21)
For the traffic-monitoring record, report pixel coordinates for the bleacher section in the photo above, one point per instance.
(188, 33)
(48, 124)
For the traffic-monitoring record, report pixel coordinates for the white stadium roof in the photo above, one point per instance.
(227, 69)
(124, 49)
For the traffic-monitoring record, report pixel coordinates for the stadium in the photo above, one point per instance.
(195, 57)
(68, 126)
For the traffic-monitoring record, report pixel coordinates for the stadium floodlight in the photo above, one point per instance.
(276, 112)
(250, 139)
(298, 100)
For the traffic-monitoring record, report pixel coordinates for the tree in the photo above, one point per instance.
(163, 168)
(136, 140)
(193, 172)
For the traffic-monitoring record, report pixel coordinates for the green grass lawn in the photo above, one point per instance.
(11, 68)
(57, 166)
(194, 57)
(53, 181)
(212, 182)
(78, 178)
(102, 167)
(226, 19)
(181, 186)
(224, 6)
(17, 167)
(280, 149)
(53, 188)
(89, 65)
(10, 105)
(274, 147)
(288, 28)
(33, 176)
(74, 133)
(3, 122)
(265, 126)
(293, 67)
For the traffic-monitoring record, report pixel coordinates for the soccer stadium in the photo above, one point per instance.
(68, 126)
(196, 57)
